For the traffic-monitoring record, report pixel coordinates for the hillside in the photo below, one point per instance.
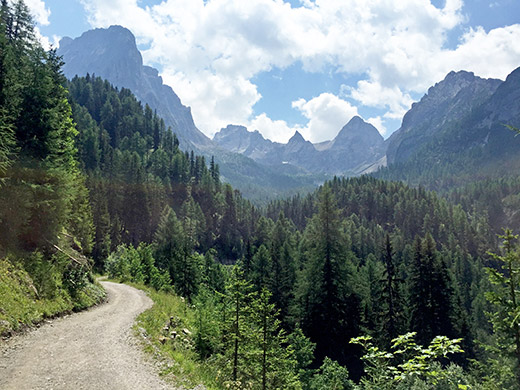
(457, 133)
(46, 229)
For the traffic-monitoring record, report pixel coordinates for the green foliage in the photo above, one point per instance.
(303, 354)
(331, 376)
(330, 307)
(504, 297)
(430, 292)
(129, 264)
(240, 333)
(23, 304)
(184, 367)
(407, 362)
(7, 143)
(43, 199)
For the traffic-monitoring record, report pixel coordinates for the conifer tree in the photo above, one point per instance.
(430, 292)
(260, 267)
(392, 313)
(282, 275)
(330, 308)
(274, 365)
(237, 335)
(506, 300)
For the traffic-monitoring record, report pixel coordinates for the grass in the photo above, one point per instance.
(21, 306)
(180, 363)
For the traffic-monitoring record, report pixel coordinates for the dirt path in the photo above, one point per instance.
(89, 350)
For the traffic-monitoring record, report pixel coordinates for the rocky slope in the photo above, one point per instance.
(112, 54)
(357, 145)
(445, 104)
(458, 134)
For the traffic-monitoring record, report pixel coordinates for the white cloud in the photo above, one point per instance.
(373, 94)
(211, 49)
(327, 114)
(41, 14)
(39, 11)
(215, 98)
(378, 123)
(275, 130)
(492, 54)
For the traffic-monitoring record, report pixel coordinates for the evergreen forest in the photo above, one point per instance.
(365, 283)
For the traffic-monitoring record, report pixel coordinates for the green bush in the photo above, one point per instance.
(331, 376)
(129, 264)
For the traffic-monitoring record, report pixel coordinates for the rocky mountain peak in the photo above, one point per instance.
(112, 54)
(450, 86)
(448, 101)
(357, 130)
(297, 138)
(239, 139)
(231, 130)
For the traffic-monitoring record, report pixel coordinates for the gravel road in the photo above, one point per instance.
(89, 350)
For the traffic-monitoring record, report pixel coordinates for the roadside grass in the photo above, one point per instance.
(179, 362)
(20, 303)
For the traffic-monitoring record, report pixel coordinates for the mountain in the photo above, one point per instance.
(457, 134)
(356, 146)
(239, 140)
(112, 54)
(446, 103)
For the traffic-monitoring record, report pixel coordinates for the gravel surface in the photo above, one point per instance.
(89, 350)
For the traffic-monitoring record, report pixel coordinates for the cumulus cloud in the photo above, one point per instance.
(327, 114)
(209, 51)
(275, 130)
(39, 11)
(41, 14)
(492, 54)
(379, 124)
(373, 94)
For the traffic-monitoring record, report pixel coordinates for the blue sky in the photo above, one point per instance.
(307, 65)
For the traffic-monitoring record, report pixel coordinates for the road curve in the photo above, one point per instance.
(89, 350)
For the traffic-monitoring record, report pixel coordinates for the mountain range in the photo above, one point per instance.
(459, 116)
(112, 54)
(357, 147)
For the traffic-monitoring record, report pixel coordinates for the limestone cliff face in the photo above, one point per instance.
(112, 54)
(446, 103)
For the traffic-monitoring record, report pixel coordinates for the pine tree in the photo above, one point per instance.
(237, 333)
(393, 313)
(274, 366)
(282, 275)
(430, 292)
(330, 309)
(260, 267)
(506, 300)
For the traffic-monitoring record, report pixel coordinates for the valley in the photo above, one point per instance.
(353, 263)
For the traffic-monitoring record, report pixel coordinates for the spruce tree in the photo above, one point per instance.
(430, 292)
(505, 299)
(330, 309)
(392, 313)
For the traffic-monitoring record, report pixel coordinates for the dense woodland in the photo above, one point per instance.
(316, 291)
